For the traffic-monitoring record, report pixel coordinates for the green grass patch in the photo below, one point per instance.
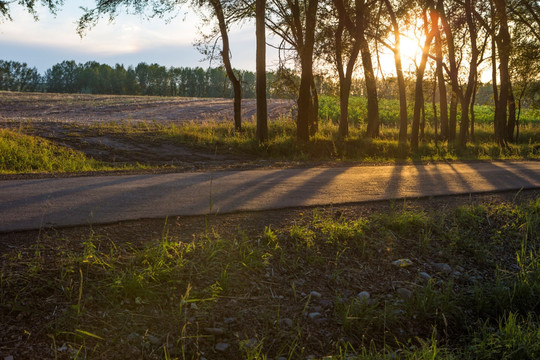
(20, 153)
(287, 291)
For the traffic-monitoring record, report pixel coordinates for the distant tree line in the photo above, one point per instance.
(143, 79)
(153, 79)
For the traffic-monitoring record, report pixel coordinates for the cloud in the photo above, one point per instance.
(127, 34)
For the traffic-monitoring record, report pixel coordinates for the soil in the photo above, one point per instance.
(90, 109)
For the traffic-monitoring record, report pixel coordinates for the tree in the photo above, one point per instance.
(340, 49)
(356, 20)
(64, 77)
(262, 112)
(419, 89)
(396, 49)
(16, 76)
(295, 22)
(218, 7)
(28, 5)
(503, 42)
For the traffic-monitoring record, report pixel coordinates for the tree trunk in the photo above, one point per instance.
(399, 73)
(345, 79)
(344, 92)
(464, 127)
(519, 111)
(371, 88)
(419, 90)
(434, 104)
(511, 114)
(443, 100)
(314, 118)
(262, 112)
(306, 76)
(503, 45)
(237, 86)
(456, 91)
(423, 123)
(473, 118)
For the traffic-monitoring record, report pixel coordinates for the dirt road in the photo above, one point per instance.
(32, 204)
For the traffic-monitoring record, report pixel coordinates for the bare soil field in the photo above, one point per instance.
(89, 109)
(67, 119)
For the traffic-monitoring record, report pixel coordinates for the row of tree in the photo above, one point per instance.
(456, 38)
(144, 79)
(95, 78)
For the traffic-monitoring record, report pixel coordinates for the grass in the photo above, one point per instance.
(24, 153)
(176, 295)
(20, 153)
(325, 145)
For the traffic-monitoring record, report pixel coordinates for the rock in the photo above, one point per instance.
(402, 262)
(316, 294)
(9, 357)
(134, 337)
(443, 267)
(228, 321)
(249, 344)
(317, 308)
(214, 331)
(222, 346)
(153, 340)
(193, 306)
(326, 303)
(314, 315)
(363, 296)
(286, 321)
(404, 293)
(459, 268)
(456, 274)
(425, 276)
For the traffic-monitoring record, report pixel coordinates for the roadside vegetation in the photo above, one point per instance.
(20, 153)
(406, 283)
(326, 144)
(24, 152)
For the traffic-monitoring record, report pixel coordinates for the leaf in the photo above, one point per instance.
(83, 332)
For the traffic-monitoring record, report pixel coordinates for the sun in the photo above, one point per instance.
(410, 49)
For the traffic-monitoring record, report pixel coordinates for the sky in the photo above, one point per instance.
(129, 40)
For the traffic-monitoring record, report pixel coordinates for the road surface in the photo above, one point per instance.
(37, 203)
